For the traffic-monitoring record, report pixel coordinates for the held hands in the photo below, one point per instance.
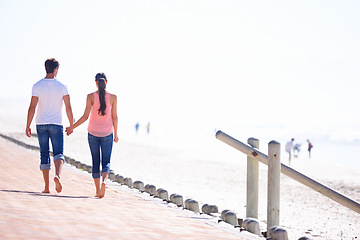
(69, 130)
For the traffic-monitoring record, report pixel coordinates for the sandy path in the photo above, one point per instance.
(26, 213)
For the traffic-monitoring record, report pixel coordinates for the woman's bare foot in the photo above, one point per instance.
(46, 190)
(102, 190)
(58, 186)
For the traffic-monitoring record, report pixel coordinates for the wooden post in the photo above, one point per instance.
(252, 183)
(274, 167)
(297, 176)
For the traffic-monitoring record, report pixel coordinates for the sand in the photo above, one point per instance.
(303, 212)
(220, 178)
(75, 213)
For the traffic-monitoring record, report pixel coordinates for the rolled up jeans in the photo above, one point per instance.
(100, 148)
(47, 132)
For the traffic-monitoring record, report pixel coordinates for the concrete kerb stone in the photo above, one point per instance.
(162, 194)
(128, 182)
(304, 238)
(208, 209)
(229, 217)
(77, 164)
(70, 161)
(112, 175)
(177, 199)
(252, 225)
(150, 189)
(139, 185)
(192, 205)
(278, 233)
(119, 179)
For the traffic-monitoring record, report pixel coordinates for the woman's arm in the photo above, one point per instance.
(114, 116)
(85, 116)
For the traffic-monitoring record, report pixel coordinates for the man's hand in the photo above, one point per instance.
(69, 130)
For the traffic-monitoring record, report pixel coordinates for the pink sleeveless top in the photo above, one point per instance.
(100, 126)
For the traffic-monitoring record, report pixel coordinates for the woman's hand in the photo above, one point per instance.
(116, 138)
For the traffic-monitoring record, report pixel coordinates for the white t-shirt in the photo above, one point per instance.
(50, 93)
(289, 146)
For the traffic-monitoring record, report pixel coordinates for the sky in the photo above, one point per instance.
(289, 65)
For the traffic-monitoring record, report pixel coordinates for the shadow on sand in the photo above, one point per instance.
(42, 194)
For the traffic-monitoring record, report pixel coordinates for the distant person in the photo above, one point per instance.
(137, 125)
(148, 128)
(310, 146)
(49, 94)
(297, 149)
(289, 148)
(101, 106)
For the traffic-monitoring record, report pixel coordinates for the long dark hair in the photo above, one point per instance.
(101, 81)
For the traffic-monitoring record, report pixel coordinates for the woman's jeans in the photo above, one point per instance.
(54, 133)
(103, 146)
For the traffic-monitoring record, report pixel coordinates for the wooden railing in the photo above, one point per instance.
(274, 169)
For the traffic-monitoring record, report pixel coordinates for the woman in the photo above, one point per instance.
(102, 130)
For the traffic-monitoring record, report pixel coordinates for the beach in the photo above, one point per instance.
(75, 213)
(221, 180)
(212, 172)
(272, 70)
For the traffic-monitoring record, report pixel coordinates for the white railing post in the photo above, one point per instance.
(252, 182)
(274, 168)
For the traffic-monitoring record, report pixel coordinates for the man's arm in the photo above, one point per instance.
(30, 115)
(85, 116)
(68, 108)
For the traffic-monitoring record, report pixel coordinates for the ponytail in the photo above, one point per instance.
(101, 80)
(102, 86)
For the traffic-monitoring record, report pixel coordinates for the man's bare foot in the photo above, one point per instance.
(58, 186)
(102, 190)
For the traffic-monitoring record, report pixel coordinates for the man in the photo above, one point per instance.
(49, 94)
(289, 147)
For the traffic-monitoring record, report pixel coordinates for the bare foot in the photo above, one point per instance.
(101, 193)
(46, 191)
(58, 186)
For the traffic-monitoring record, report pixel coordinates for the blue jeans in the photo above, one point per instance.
(103, 146)
(55, 133)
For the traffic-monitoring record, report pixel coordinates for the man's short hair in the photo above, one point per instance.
(51, 64)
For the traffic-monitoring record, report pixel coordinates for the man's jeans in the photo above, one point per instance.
(103, 146)
(55, 133)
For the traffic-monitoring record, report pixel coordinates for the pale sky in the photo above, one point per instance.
(220, 62)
